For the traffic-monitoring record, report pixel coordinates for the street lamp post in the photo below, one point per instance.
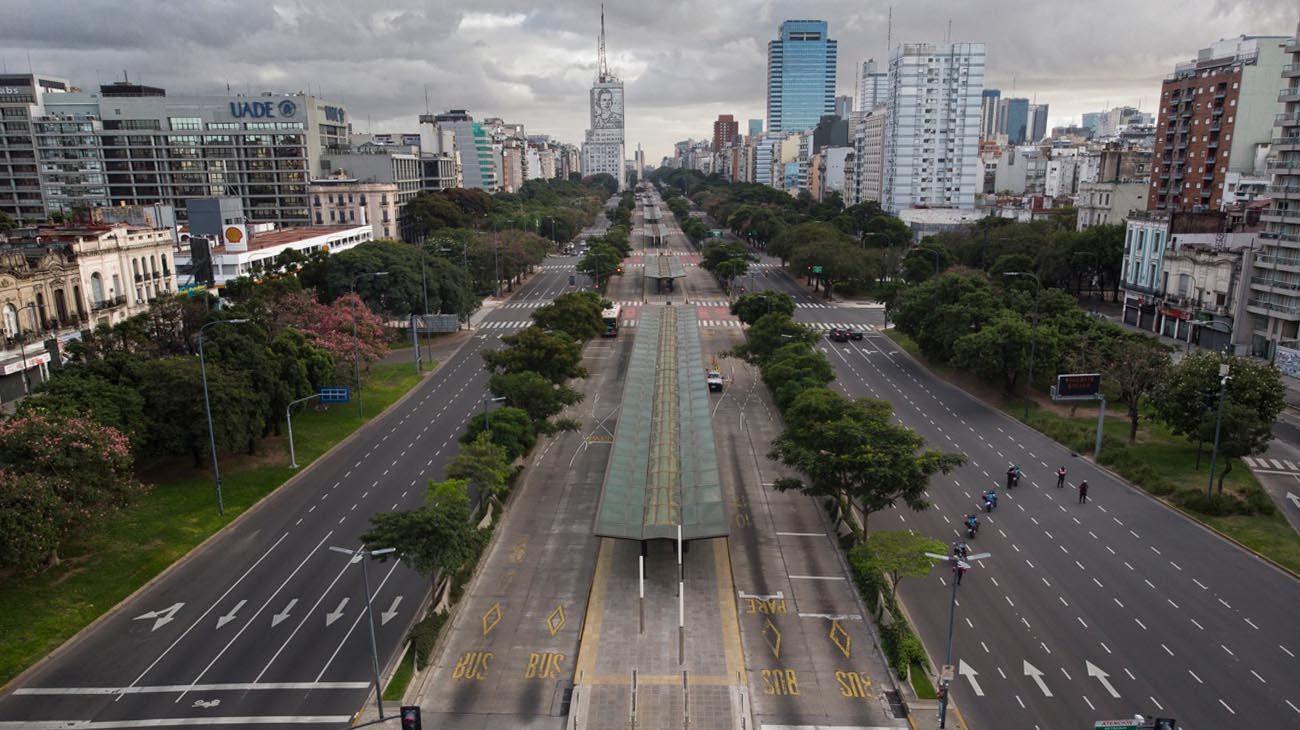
(359, 555)
(1033, 333)
(288, 416)
(356, 342)
(934, 254)
(22, 345)
(1224, 377)
(957, 563)
(207, 407)
(487, 415)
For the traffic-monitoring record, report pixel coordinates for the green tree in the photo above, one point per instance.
(428, 212)
(938, 312)
(1137, 365)
(77, 470)
(576, 314)
(435, 539)
(510, 428)
(600, 262)
(850, 451)
(533, 393)
(1241, 433)
(794, 368)
(999, 351)
(749, 307)
(769, 333)
(173, 396)
(555, 356)
(6, 223)
(484, 464)
(902, 554)
(1191, 390)
(76, 391)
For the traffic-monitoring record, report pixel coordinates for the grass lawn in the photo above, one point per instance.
(396, 688)
(1159, 462)
(921, 683)
(39, 613)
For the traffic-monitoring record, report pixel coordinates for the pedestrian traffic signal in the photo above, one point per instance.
(411, 718)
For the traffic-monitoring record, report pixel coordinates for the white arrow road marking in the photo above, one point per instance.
(388, 615)
(1293, 498)
(1037, 675)
(223, 620)
(1096, 671)
(161, 618)
(966, 671)
(337, 614)
(281, 616)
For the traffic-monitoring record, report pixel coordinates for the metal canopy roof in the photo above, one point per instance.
(663, 470)
(664, 267)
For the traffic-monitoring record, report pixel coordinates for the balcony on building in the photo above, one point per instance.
(1281, 215)
(1289, 143)
(1273, 309)
(1288, 95)
(1285, 167)
(1292, 46)
(1287, 192)
(1287, 120)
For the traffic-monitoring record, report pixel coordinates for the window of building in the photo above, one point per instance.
(185, 123)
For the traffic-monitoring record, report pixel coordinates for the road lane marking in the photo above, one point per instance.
(1202, 585)
(1198, 679)
(335, 720)
(1198, 623)
(816, 577)
(221, 598)
(259, 611)
(170, 688)
(1139, 623)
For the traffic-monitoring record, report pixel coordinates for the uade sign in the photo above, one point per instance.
(262, 109)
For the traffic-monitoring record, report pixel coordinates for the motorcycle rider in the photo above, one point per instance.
(972, 525)
(1013, 476)
(990, 500)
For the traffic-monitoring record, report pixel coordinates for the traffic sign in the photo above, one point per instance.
(335, 395)
(1077, 386)
(817, 269)
(1116, 725)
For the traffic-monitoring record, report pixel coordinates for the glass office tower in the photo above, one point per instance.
(800, 76)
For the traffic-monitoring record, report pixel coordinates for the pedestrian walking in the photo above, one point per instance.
(1060, 477)
(1083, 492)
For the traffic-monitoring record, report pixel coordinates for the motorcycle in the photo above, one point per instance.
(972, 527)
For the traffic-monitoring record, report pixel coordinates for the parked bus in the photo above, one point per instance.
(610, 316)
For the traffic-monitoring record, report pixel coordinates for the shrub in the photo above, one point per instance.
(424, 635)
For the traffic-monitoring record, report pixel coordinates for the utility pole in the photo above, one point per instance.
(360, 555)
(958, 563)
(1224, 377)
(207, 408)
(356, 341)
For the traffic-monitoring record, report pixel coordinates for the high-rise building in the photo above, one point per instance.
(22, 98)
(1092, 120)
(1037, 125)
(800, 76)
(755, 127)
(932, 128)
(989, 106)
(1274, 299)
(1013, 120)
(129, 144)
(868, 155)
(843, 106)
(474, 147)
(1216, 113)
(603, 148)
(872, 90)
(725, 129)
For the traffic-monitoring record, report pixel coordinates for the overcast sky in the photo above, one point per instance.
(684, 62)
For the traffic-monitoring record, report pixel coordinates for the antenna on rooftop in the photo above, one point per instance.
(426, 99)
(948, 38)
(889, 34)
(602, 69)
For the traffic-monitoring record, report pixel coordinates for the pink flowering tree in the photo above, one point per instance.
(329, 326)
(61, 473)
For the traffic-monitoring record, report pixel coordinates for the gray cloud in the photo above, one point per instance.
(684, 61)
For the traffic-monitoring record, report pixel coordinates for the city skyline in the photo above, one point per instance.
(535, 66)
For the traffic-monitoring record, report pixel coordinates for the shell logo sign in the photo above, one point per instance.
(235, 238)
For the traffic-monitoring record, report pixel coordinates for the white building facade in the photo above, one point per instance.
(932, 129)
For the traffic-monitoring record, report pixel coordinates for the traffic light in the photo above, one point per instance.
(411, 718)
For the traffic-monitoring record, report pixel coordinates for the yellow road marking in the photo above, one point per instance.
(555, 621)
(590, 641)
(730, 621)
(491, 618)
(841, 638)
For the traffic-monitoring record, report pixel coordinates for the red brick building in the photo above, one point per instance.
(724, 131)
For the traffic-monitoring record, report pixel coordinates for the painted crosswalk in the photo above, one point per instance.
(1271, 466)
(839, 325)
(812, 305)
(704, 323)
(516, 325)
(557, 267)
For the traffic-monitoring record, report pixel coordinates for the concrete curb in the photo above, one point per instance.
(206, 544)
(1115, 475)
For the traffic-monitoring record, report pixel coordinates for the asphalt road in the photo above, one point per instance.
(1180, 622)
(265, 625)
